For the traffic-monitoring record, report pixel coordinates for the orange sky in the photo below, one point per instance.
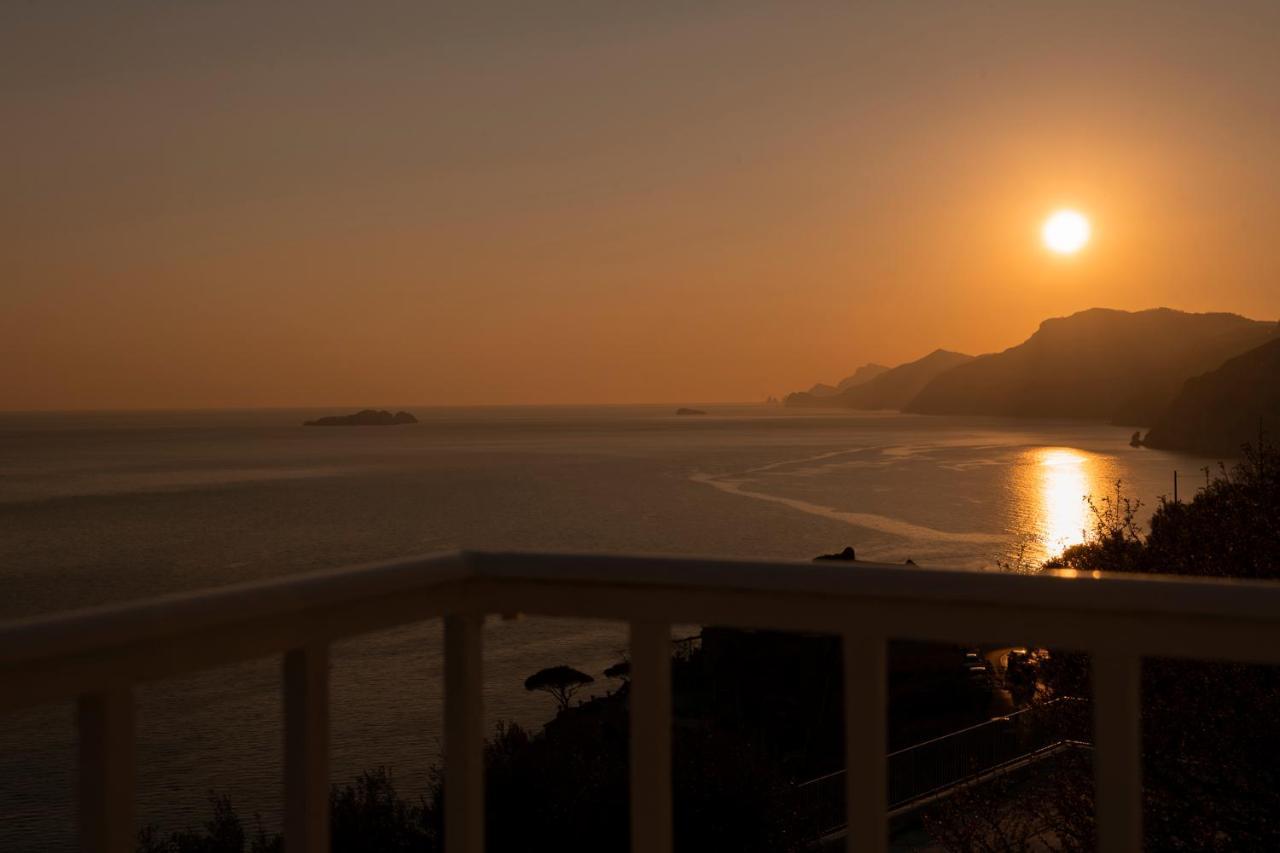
(595, 202)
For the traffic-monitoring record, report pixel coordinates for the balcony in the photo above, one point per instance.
(95, 657)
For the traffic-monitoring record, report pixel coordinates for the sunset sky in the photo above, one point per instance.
(217, 204)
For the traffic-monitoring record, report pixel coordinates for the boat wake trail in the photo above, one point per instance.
(871, 521)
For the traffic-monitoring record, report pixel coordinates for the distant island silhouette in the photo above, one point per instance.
(886, 389)
(861, 376)
(365, 417)
(683, 411)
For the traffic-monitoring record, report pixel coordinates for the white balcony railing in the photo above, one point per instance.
(96, 656)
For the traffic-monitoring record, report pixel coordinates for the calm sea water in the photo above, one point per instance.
(98, 508)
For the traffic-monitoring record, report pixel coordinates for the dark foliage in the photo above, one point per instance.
(572, 777)
(1230, 529)
(1045, 808)
(621, 669)
(370, 816)
(222, 833)
(1210, 734)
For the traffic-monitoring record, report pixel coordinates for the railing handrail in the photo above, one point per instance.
(72, 632)
(1099, 591)
(83, 630)
(263, 610)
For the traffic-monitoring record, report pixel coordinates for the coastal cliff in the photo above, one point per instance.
(1119, 366)
(1221, 410)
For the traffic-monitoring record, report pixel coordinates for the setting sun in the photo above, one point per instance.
(1065, 232)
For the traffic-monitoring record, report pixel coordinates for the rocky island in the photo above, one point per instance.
(365, 417)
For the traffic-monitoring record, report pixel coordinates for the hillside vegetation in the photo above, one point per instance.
(1221, 410)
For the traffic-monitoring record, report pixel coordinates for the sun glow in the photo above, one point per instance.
(1065, 232)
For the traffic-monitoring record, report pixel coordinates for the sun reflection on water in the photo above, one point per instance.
(1055, 482)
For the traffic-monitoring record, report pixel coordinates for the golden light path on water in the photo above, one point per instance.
(1054, 482)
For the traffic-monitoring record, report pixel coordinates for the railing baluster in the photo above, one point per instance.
(306, 749)
(651, 737)
(866, 798)
(106, 726)
(463, 734)
(1117, 755)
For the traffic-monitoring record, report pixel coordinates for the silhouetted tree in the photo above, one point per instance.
(561, 682)
(621, 669)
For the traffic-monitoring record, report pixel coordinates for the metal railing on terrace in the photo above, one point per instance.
(924, 771)
(95, 657)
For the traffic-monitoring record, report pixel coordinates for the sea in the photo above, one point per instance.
(101, 507)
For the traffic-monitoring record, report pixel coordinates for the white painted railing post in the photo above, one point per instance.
(106, 754)
(1117, 754)
(651, 827)
(865, 712)
(306, 749)
(463, 734)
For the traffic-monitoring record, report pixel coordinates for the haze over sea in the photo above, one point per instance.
(107, 507)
